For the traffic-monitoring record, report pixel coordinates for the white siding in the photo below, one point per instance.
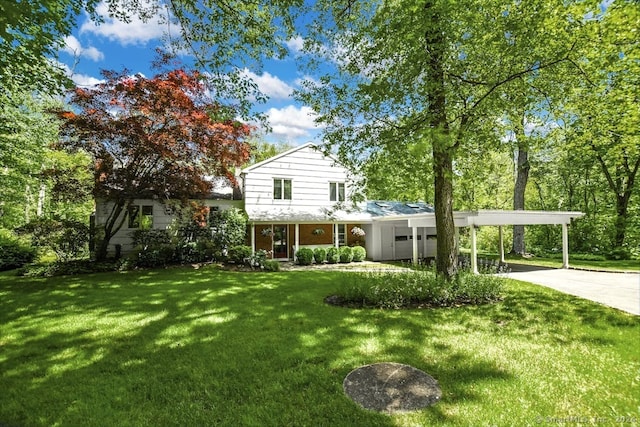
(310, 173)
(162, 219)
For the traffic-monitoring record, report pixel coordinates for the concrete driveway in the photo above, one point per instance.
(618, 290)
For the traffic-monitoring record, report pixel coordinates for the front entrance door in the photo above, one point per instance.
(280, 247)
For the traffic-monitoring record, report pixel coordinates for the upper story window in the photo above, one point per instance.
(336, 192)
(141, 216)
(281, 189)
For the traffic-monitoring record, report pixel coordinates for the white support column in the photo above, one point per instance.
(474, 251)
(336, 241)
(414, 235)
(297, 240)
(253, 238)
(501, 236)
(565, 246)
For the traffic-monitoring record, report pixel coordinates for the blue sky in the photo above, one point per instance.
(114, 45)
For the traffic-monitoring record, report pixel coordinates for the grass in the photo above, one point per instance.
(575, 261)
(206, 347)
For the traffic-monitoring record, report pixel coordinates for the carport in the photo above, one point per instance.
(499, 218)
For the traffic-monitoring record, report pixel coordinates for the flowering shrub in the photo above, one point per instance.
(358, 232)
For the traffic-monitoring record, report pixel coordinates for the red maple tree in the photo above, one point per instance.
(158, 137)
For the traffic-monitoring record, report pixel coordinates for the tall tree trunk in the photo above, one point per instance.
(110, 228)
(522, 176)
(446, 253)
(622, 185)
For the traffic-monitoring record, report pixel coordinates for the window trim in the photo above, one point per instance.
(282, 190)
(136, 213)
(335, 195)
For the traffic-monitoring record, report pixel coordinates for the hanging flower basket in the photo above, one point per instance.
(318, 231)
(266, 231)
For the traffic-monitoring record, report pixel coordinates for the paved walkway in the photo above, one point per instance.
(618, 290)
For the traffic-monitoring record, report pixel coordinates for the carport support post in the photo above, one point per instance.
(501, 237)
(565, 246)
(474, 251)
(414, 234)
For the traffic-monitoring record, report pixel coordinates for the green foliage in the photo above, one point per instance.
(418, 288)
(67, 238)
(319, 255)
(619, 254)
(14, 251)
(271, 265)
(69, 268)
(153, 256)
(304, 256)
(333, 255)
(359, 253)
(240, 254)
(346, 254)
(150, 237)
(228, 228)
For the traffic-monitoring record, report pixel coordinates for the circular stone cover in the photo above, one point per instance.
(391, 387)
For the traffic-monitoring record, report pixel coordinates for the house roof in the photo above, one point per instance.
(383, 208)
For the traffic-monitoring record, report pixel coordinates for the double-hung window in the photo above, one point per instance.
(281, 189)
(141, 216)
(336, 192)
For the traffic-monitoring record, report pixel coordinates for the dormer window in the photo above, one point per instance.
(281, 189)
(336, 192)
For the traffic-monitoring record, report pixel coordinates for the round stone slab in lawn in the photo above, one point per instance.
(391, 387)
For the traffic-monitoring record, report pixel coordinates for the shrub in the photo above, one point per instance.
(63, 268)
(228, 228)
(150, 237)
(319, 255)
(153, 256)
(333, 255)
(416, 288)
(359, 253)
(258, 259)
(619, 254)
(239, 254)
(346, 254)
(68, 239)
(14, 251)
(304, 256)
(271, 265)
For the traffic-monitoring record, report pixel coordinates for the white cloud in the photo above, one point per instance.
(83, 80)
(295, 44)
(270, 85)
(126, 33)
(73, 47)
(292, 122)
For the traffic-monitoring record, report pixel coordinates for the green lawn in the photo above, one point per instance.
(201, 347)
(579, 261)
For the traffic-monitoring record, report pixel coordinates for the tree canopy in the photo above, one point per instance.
(432, 70)
(157, 137)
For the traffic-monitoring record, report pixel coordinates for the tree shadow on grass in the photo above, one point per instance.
(204, 347)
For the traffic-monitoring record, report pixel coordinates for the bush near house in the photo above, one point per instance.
(333, 256)
(359, 253)
(319, 255)
(346, 254)
(239, 254)
(304, 256)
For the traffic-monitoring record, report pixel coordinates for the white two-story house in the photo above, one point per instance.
(303, 198)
